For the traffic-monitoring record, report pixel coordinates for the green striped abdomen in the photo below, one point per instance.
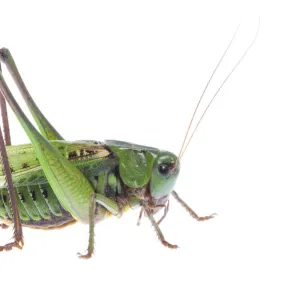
(38, 207)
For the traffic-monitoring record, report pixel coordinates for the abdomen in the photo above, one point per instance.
(38, 207)
(37, 203)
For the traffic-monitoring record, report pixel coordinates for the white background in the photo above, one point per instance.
(134, 71)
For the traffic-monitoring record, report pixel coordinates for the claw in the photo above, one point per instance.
(168, 245)
(3, 226)
(85, 256)
(206, 218)
(10, 246)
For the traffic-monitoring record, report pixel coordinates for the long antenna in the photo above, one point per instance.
(218, 90)
(204, 91)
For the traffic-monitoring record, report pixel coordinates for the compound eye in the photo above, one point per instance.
(163, 169)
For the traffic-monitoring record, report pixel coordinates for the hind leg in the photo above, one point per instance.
(45, 127)
(4, 118)
(18, 234)
(18, 241)
(69, 184)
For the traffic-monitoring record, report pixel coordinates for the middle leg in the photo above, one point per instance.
(157, 229)
(91, 244)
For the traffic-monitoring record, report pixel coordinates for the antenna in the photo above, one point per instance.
(204, 91)
(186, 144)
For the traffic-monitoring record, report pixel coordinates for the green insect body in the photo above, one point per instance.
(52, 183)
(115, 169)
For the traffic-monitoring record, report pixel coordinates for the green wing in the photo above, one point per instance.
(26, 169)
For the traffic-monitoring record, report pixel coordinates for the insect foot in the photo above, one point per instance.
(85, 256)
(201, 219)
(16, 244)
(190, 211)
(3, 226)
(170, 246)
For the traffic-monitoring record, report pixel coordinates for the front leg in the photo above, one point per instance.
(111, 206)
(190, 211)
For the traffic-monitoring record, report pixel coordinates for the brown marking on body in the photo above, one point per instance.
(5, 198)
(25, 165)
(72, 155)
(21, 196)
(44, 193)
(90, 152)
(32, 195)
